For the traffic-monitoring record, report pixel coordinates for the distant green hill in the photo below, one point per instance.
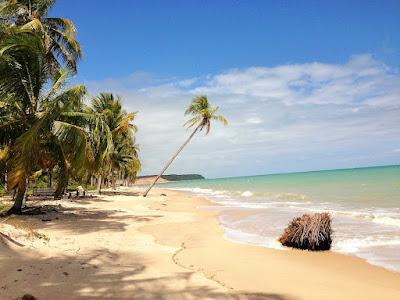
(176, 177)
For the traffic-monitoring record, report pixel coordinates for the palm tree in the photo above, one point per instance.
(38, 125)
(117, 129)
(59, 33)
(124, 157)
(202, 114)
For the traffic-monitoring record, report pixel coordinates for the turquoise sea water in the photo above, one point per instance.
(364, 204)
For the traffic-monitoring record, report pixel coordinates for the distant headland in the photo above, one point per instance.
(168, 178)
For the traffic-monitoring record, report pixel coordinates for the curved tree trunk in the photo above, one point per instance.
(19, 200)
(99, 182)
(171, 160)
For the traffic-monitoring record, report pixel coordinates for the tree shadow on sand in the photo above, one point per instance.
(95, 274)
(120, 193)
(100, 274)
(78, 219)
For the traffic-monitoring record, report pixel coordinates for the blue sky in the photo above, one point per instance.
(191, 38)
(306, 84)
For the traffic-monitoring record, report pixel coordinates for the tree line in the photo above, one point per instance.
(48, 127)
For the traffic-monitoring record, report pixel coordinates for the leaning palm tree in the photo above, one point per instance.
(202, 114)
(59, 33)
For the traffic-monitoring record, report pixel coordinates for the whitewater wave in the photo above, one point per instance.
(356, 244)
(201, 191)
(287, 201)
(386, 221)
(250, 238)
(384, 218)
(247, 194)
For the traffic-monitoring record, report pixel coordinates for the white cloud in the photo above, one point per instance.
(330, 115)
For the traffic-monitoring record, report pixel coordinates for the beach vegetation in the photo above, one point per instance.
(58, 34)
(115, 148)
(36, 122)
(46, 128)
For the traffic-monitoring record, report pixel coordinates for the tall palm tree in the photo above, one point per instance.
(202, 115)
(59, 33)
(37, 124)
(117, 129)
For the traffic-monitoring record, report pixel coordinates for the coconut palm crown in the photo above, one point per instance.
(59, 33)
(203, 114)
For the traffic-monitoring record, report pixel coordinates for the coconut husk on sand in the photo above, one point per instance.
(311, 232)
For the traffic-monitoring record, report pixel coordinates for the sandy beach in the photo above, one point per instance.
(124, 246)
(148, 180)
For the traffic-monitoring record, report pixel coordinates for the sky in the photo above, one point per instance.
(305, 85)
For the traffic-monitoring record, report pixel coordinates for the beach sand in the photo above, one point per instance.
(150, 179)
(165, 247)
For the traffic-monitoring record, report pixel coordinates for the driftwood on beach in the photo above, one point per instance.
(311, 232)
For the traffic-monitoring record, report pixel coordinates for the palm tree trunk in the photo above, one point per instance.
(61, 186)
(5, 179)
(99, 179)
(26, 192)
(171, 160)
(19, 200)
(50, 182)
(114, 178)
(63, 173)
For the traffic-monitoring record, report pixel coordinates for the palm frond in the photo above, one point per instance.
(125, 123)
(193, 121)
(59, 79)
(25, 154)
(59, 34)
(220, 119)
(77, 138)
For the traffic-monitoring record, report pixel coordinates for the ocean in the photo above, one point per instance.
(364, 204)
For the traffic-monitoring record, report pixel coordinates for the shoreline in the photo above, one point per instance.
(357, 231)
(340, 275)
(124, 246)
